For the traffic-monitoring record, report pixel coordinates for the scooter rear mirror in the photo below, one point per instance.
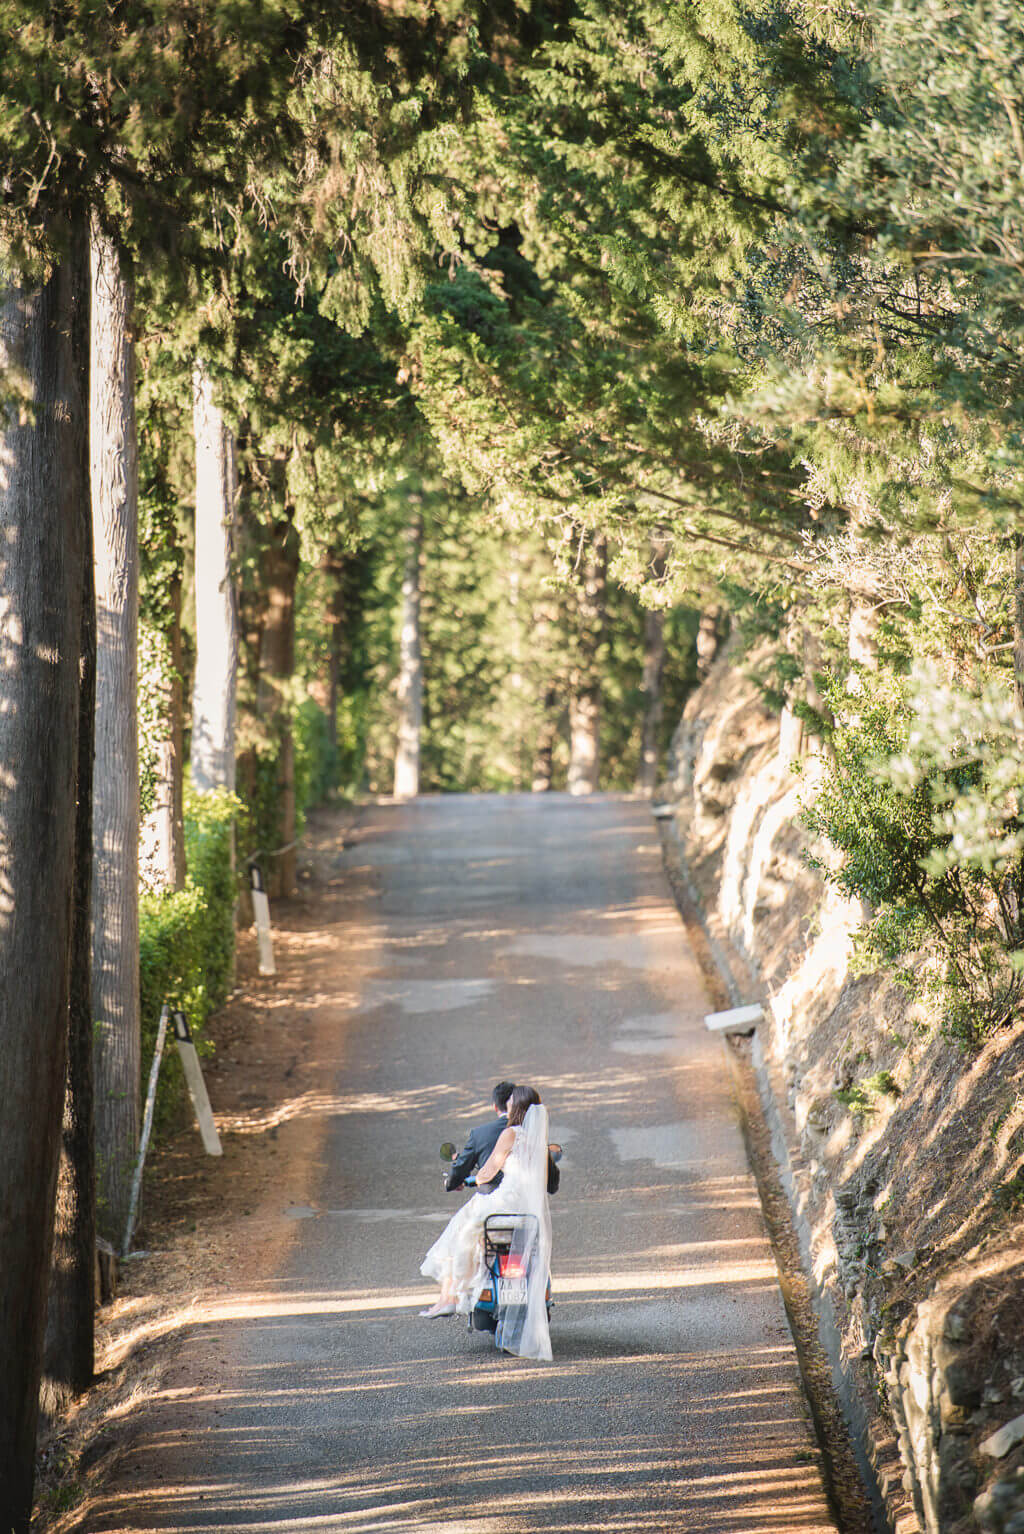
(555, 1152)
(447, 1151)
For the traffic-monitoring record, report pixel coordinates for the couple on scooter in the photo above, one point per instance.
(518, 1156)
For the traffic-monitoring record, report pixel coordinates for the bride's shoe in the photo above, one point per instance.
(438, 1310)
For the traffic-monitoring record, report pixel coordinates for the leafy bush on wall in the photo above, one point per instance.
(922, 795)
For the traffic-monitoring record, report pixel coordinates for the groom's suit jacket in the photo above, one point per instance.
(475, 1152)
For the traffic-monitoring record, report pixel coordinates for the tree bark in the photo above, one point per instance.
(213, 696)
(410, 670)
(650, 686)
(44, 513)
(544, 750)
(70, 1329)
(115, 890)
(585, 695)
(279, 569)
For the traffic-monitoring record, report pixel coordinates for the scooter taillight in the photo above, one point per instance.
(511, 1267)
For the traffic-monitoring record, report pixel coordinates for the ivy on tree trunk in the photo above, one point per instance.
(213, 696)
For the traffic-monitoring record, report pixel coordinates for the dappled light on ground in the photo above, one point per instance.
(309, 1395)
(488, 1474)
(327, 1105)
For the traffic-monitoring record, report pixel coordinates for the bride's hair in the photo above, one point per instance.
(523, 1098)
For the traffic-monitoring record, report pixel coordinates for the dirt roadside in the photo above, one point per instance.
(204, 1229)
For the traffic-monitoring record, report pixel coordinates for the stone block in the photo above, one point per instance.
(1006, 1438)
(1000, 1509)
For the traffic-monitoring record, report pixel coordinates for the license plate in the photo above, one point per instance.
(511, 1291)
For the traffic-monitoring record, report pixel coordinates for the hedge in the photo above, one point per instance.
(187, 937)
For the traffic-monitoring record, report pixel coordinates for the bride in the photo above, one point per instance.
(456, 1258)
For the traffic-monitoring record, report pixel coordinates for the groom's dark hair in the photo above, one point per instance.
(501, 1094)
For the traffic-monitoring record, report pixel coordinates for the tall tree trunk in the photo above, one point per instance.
(585, 697)
(650, 686)
(410, 670)
(213, 696)
(584, 742)
(279, 569)
(44, 512)
(115, 889)
(163, 832)
(544, 750)
(70, 1330)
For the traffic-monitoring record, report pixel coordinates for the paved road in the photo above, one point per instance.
(533, 938)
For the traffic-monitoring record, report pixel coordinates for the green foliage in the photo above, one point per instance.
(316, 761)
(501, 633)
(902, 779)
(186, 937)
(151, 703)
(260, 826)
(739, 280)
(861, 1098)
(171, 951)
(210, 821)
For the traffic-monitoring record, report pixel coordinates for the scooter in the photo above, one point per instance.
(510, 1246)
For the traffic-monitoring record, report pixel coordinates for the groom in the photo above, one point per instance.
(481, 1142)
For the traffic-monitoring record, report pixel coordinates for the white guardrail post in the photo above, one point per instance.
(196, 1085)
(261, 916)
(147, 1126)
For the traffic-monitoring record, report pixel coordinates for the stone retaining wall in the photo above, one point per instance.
(917, 1276)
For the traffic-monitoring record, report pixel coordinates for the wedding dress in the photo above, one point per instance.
(456, 1259)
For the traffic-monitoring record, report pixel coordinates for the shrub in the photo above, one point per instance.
(209, 851)
(862, 1097)
(921, 794)
(316, 764)
(187, 937)
(170, 969)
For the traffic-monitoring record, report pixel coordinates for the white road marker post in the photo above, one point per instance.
(261, 915)
(196, 1086)
(736, 1020)
(147, 1126)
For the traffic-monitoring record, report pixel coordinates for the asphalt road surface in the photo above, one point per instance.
(532, 938)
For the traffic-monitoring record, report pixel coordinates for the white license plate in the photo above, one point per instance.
(511, 1291)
